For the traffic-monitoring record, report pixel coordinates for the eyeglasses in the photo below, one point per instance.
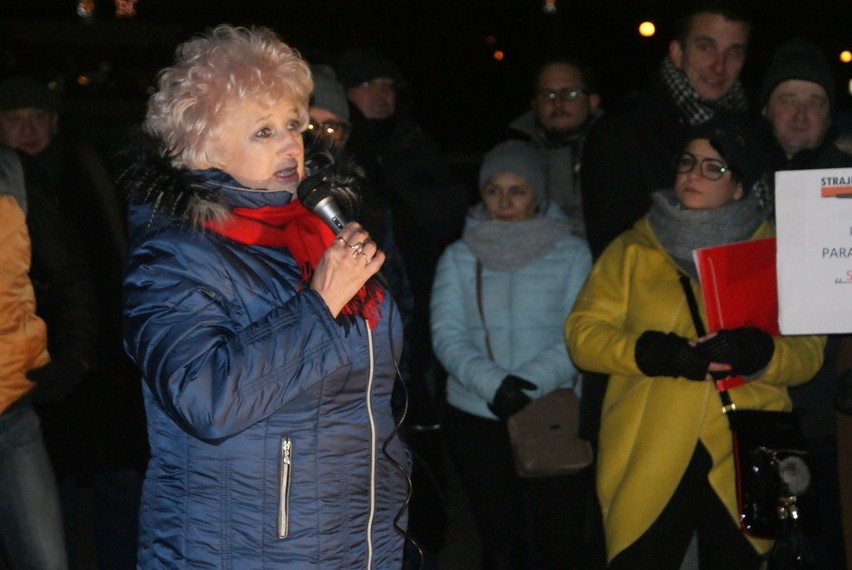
(561, 95)
(337, 131)
(710, 168)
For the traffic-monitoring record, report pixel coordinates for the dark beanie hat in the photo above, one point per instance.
(738, 139)
(798, 59)
(365, 64)
(20, 92)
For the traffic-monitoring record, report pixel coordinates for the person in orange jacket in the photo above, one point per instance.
(31, 535)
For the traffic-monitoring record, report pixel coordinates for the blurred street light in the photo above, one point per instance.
(125, 8)
(647, 29)
(86, 8)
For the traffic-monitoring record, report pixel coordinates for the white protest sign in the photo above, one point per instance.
(813, 213)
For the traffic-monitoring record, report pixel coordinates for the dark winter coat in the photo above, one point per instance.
(91, 417)
(427, 202)
(629, 154)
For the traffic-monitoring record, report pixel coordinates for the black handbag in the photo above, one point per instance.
(771, 469)
(772, 474)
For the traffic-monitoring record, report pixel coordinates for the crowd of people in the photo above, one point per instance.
(242, 382)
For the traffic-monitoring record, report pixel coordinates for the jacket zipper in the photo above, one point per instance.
(372, 448)
(284, 476)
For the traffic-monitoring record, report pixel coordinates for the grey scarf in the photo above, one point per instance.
(680, 231)
(509, 246)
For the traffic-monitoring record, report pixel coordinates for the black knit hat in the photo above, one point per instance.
(20, 92)
(738, 139)
(365, 64)
(798, 59)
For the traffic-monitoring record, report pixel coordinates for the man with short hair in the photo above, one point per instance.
(564, 104)
(630, 152)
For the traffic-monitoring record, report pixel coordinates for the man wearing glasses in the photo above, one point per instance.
(629, 152)
(564, 105)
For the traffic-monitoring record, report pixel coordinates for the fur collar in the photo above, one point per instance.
(149, 177)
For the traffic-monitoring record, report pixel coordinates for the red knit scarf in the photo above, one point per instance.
(306, 237)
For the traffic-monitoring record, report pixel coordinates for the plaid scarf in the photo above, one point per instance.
(695, 109)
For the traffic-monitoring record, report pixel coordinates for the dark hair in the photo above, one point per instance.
(737, 175)
(737, 139)
(587, 74)
(732, 10)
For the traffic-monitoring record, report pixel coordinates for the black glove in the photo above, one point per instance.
(746, 349)
(510, 397)
(56, 380)
(661, 354)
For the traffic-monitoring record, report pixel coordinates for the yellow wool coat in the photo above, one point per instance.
(23, 336)
(651, 426)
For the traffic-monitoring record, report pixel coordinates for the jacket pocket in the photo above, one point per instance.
(284, 476)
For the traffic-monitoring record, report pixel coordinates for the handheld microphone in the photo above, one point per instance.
(314, 193)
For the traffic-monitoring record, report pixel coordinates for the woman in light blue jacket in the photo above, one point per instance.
(524, 268)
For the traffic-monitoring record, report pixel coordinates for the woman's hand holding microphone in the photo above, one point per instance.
(346, 266)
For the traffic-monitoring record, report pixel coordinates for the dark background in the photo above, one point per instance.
(463, 96)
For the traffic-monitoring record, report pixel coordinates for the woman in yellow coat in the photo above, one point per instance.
(665, 468)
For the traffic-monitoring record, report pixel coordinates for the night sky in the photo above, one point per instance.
(444, 47)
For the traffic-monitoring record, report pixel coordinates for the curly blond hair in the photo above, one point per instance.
(211, 71)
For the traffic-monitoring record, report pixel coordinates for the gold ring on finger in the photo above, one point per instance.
(359, 245)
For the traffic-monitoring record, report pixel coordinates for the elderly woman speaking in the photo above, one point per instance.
(267, 349)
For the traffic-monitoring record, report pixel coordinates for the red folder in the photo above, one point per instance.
(739, 286)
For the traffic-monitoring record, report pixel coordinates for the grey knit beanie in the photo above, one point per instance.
(328, 92)
(517, 157)
(798, 59)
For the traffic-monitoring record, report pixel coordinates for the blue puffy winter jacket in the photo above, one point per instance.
(270, 424)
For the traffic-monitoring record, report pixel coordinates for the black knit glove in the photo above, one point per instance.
(746, 349)
(661, 354)
(56, 380)
(510, 397)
